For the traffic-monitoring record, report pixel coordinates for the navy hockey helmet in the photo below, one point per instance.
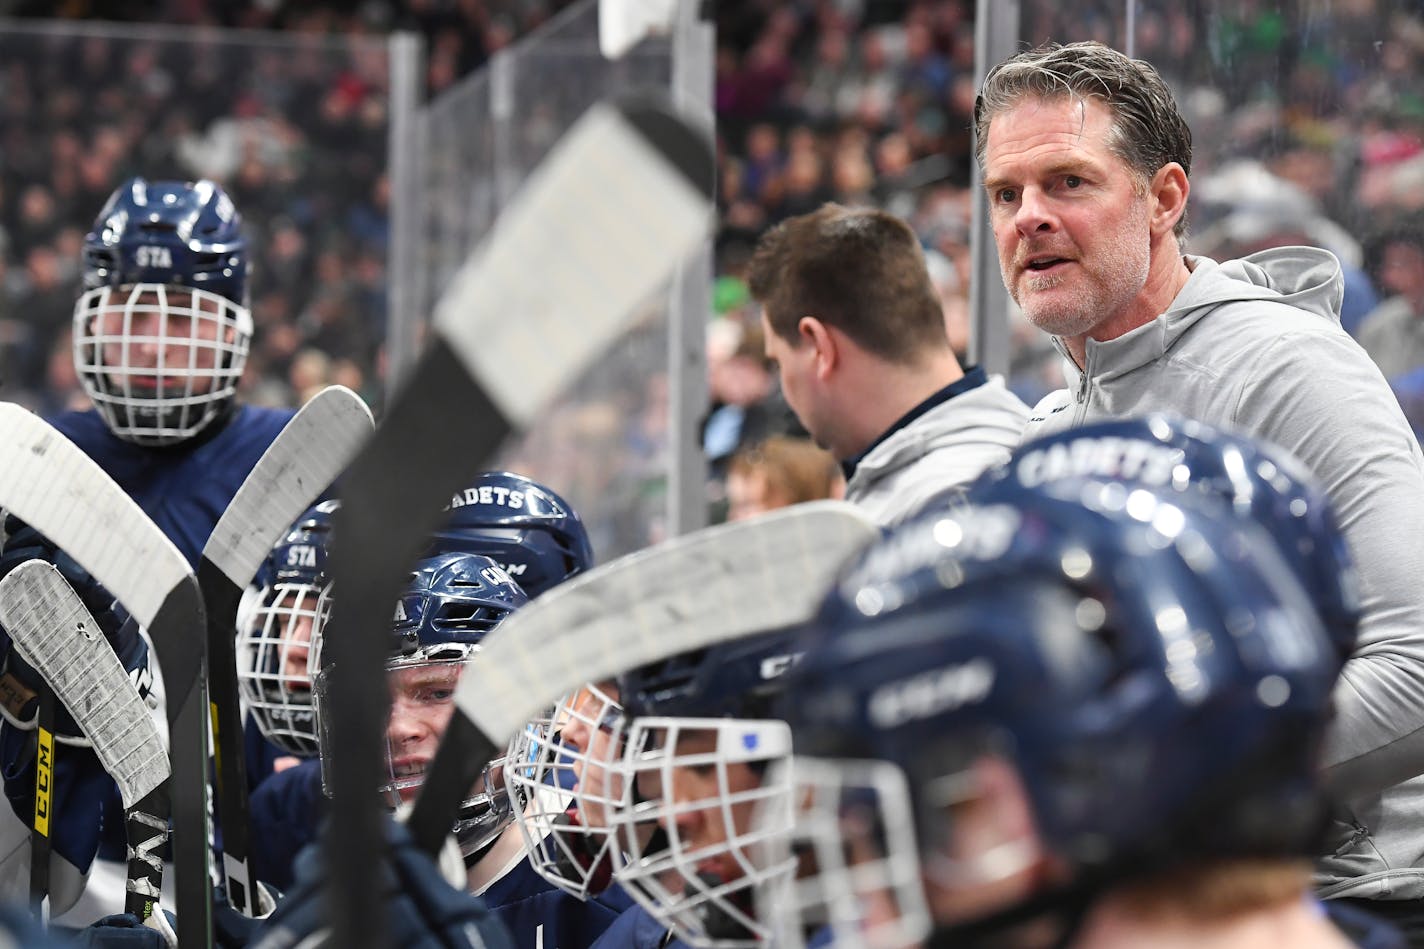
(162, 330)
(280, 615)
(700, 742)
(739, 678)
(301, 554)
(1156, 677)
(450, 603)
(1195, 463)
(197, 225)
(522, 525)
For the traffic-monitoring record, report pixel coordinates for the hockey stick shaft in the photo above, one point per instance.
(44, 787)
(220, 597)
(305, 457)
(146, 827)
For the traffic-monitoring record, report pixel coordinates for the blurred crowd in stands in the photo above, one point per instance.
(1309, 122)
(1308, 117)
(292, 121)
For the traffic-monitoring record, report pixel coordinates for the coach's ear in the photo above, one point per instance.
(825, 345)
(1169, 189)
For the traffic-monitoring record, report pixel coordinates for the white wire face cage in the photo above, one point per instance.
(691, 852)
(160, 362)
(274, 664)
(849, 856)
(564, 790)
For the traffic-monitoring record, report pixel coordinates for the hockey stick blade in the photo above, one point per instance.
(306, 456)
(55, 633)
(618, 203)
(712, 585)
(49, 483)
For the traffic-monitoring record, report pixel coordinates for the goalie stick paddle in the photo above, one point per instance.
(50, 484)
(712, 585)
(305, 457)
(55, 633)
(598, 227)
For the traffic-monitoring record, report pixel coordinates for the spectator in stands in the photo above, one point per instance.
(1393, 332)
(779, 472)
(746, 408)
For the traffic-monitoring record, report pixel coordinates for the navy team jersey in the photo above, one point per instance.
(541, 916)
(186, 487)
(636, 928)
(286, 813)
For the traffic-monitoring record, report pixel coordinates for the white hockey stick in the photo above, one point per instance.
(599, 226)
(307, 456)
(710, 586)
(50, 484)
(55, 633)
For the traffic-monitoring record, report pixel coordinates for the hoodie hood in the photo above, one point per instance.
(1304, 277)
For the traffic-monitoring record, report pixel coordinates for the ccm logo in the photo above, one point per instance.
(930, 693)
(774, 667)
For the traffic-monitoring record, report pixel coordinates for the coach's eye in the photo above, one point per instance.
(1005, 195)
(1072, 181)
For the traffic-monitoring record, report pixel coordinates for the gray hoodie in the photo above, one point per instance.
(1256, 345)
(946, 448)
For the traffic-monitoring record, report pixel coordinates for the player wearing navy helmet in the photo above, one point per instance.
(449, 604)
(1197, 464)
(162, 330)
(524, 526)
(1193, 463)
(1029, 722)
(539, 539)
(279, 614)
(274, 632)
(161, 335)
(689, 774)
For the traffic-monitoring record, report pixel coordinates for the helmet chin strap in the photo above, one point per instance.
(580, 859)
(720, 924)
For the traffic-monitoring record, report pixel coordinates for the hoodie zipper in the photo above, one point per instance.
(1080, 410)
